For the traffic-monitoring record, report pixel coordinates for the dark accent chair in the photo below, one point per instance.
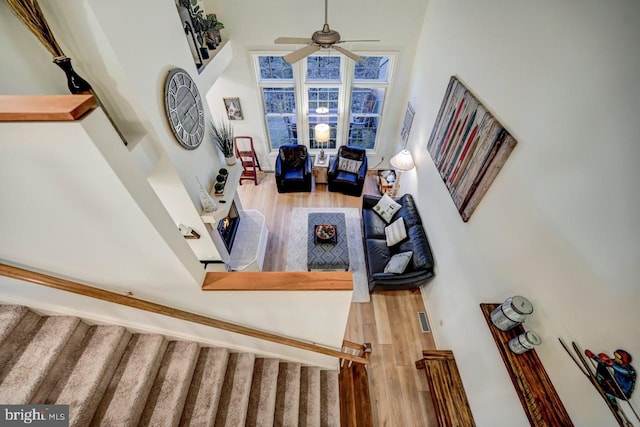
(349, 183)
(293, 169)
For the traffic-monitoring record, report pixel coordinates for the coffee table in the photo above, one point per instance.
(327, 256)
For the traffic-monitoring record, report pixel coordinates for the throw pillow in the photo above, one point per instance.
(386, 207)
(398, 263)
(293, 157)
(349, 165)
(396, 232)
(352, 153)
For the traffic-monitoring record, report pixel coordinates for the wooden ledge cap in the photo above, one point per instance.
(279, 281)
(21, 108)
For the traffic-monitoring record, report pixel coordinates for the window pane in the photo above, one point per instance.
(274, 68)
(323, 68)
(323, 97)
(282, 130)
(373, 68)
(280, 109)
(279, 100)
(362, 132)
(366, 100)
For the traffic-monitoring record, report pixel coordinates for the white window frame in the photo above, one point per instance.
(345, 85)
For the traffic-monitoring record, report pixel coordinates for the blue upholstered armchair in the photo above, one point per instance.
(348, 171)
(293, 169)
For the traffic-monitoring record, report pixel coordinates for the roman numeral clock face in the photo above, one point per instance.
(184, 108)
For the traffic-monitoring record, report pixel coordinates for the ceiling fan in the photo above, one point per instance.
(325, 38)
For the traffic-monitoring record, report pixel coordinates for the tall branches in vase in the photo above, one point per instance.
(29, 12)
(222, 136)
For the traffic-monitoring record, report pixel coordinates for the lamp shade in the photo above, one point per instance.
(403, 161)
(322, 132)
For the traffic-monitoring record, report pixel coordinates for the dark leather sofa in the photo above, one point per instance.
(377, 253)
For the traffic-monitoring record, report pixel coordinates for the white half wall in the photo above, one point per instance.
(75, 204)
(558, 225)
(292, 314)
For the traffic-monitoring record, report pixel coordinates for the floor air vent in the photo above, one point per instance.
(424, 322)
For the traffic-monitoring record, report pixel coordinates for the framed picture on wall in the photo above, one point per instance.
(407, 122)
(469, 146)
(234, 111)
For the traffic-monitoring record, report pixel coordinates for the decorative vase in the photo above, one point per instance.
(208, 204)
(75, 83)
(230, 160)
(204, 51)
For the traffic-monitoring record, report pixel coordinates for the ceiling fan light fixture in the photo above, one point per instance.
(325, 38)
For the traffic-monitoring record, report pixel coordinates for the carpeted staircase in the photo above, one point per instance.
(111, 377)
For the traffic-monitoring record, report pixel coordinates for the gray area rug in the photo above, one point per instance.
(297, 247)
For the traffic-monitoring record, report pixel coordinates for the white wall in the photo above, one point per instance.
(558, 225)
(254, 25)
(33, 62)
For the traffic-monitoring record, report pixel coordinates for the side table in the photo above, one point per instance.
(320, 169)
(386, 179)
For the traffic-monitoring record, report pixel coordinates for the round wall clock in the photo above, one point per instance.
(183, 106)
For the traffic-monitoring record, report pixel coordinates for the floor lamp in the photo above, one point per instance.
(403, 161)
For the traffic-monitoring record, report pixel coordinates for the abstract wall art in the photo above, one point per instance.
(468, 146)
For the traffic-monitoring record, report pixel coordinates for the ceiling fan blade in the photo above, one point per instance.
(347, 53)
(349, 41)
(297, 55)
(292, 40)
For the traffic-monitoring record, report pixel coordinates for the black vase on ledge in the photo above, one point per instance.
(76, 84)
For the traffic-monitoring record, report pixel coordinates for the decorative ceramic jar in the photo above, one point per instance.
(511, 313)
(524, 342)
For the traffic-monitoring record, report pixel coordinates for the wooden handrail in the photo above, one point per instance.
(101, 294)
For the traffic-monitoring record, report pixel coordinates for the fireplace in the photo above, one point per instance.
(228, 227)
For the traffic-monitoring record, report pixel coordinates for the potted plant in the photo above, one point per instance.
(200, 24)
(222, 135)
(213, 27)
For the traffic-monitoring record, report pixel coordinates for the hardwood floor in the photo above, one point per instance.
(399, 392)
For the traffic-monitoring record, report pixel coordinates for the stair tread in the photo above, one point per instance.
(262, 399)
(17, 340)
(206, 386)
(329, 399)
(110, 377)
(63, 364)
(288, 395)
(83, 387)
(170, 388)
(10, 316)
(124, 399)
(309, 412)
(232, 409)
(30, 367)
